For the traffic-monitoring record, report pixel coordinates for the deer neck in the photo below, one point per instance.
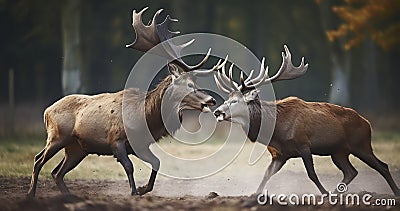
(255, 113)
(155, 119)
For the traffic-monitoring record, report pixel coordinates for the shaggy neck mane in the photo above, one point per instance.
(154, 98)
(255, 114)
(153, 101)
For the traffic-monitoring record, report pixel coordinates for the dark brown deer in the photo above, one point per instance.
(302, 128)
(83, 124)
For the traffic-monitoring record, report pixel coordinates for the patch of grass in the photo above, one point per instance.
(386, 136)
(15, 154)
(16, 158)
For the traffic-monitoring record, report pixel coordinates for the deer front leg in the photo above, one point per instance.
(147, 155)
(275, 165)
(306, 155)
(150, 184)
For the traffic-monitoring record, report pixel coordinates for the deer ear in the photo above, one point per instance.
(255, 92)
(174, 70)
(252, 95)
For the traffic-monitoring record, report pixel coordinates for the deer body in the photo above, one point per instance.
(302, 129)
(94, 121)
(324, 127)
(305, 128)
(83, 124)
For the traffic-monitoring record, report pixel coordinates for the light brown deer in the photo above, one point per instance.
(302, 128)
(83, 124)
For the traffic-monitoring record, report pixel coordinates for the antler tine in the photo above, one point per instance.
(253, 83)
(230, 72)
(148, 36)
(163, 30)
(234, 85)
(153, 23)
(202, 61)
(176, 56)
(224, 80)
(288, 71)
(242, 84)
(221, 85)
(249, 77)
(213, 69)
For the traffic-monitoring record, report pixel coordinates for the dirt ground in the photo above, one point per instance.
(94, 188)
(114, 195)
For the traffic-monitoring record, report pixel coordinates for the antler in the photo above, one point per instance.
(225, 83)
(286, 72)
(148, 36)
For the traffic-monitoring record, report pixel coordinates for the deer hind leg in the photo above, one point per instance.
(52, 147)
(342, 162)
(275, 165)
(122, 157)
(306, 156)
(73, 156)
(40, 154)
(371, 160)
(57, 168)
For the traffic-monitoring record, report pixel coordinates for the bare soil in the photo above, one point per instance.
(113, 195)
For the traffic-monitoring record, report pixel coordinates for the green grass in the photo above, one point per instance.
(16, 155)
(16, 158)
(387, 136)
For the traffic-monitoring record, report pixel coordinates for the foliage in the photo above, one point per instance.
(31, 44)
(368, 18)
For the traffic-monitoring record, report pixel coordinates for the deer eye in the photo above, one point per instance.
(234, 101)
(190, 85)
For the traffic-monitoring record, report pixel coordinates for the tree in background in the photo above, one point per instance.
(340, 58)
(363, 19)
(35, 36)
(360, 22)
(71, 69)
(30, 45)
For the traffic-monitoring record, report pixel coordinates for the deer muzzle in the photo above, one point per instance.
(219, 115)
(209, 102)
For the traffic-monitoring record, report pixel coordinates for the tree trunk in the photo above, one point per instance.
(371, 98)
(71, 72)
(341, 63)
(339, 92)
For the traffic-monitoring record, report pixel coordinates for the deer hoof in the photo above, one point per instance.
(142, 190)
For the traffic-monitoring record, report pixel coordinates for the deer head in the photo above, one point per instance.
(182, 86)
(247, 92)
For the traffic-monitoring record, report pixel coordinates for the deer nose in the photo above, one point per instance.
(211, 102)
(218, 113)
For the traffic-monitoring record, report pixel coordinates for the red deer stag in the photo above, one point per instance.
(302, 128)
(83, 124)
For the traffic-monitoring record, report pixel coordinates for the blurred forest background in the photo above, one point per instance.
(51, 48)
